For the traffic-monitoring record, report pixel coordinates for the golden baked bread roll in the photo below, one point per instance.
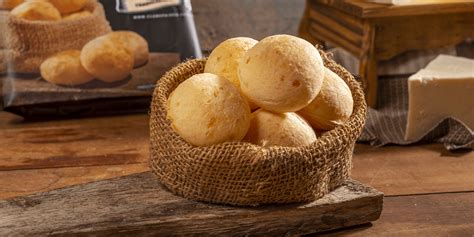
(36, 10)
(207, 109)
(107, 59)
(332, 106)
(275, 129)
(76, 15)
(65, 68)
(224, 59)
(68, 6)
(135, 43)
(281, 73)
(10, 4)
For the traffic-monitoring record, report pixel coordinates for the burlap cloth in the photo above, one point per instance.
(387, 123)
(240, 173)
(26, 44)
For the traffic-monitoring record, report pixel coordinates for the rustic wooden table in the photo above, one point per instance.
(429, 191)
(373, 32)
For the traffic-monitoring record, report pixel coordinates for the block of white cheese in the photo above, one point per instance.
(443, 89)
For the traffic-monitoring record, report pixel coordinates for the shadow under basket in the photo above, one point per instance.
(244, 174)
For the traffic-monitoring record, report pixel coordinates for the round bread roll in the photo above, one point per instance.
(224, 59)
(36, 11)
(68, 6)
(274, 129)
(281, 73)
(107, 59)
(10, 4)
(65, 68)
(207, 109)
(135, 43)
(76, 15)
(333, 105)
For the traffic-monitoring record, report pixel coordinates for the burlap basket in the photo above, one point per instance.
(27, 44)
(240, 173)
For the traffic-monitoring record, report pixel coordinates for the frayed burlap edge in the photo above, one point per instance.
(244, 174)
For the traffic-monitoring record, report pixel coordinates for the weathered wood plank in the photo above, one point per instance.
(69, 143)
(322, 33)
(138, 204)
(364, 9)
(447, 214)
(25, 182)
(397, 170)
(348, 19)
(368, 64)
(444, 30)
(338, 26)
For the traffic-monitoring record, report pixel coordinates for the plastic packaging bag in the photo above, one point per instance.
(166, 25)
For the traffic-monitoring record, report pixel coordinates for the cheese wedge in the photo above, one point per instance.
(443, 89)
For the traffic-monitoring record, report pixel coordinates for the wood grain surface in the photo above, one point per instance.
(429, 189)
(405, 170)
(365, 9)
(138, 204)
(448, 214)
(400, 170)
(53, 144)
(24, 182)
(429, 32)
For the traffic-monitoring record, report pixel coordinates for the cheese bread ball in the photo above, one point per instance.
(68, 6)
(107, 59)
(275, 129)
(207, 109)
(333, 105)
(224, 59)
(36, 11)
(10, 4)
(135, 43)
(65, 68)
(281, 73)
(76, 15)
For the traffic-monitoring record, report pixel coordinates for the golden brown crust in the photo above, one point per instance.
(76, 15)
(68, 6)
(107, 59)
(207, 109)
(224, 59)
(333, 105)
(135, 43)
(275, 129)
(36, 11)
(10, 4)
(65, 68)
(281, 73)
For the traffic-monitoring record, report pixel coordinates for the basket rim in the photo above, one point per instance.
(358, 113)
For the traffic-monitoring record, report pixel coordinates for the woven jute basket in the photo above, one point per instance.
(27, 44)
(244, 174)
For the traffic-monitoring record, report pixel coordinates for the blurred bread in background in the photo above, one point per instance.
(65, 68)
(36, 10)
